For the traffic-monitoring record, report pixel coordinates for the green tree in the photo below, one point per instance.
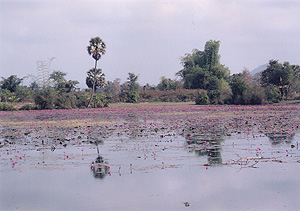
(71, 85)
(238, 86)
(95, 78)
(61, 84)
(200, 66)
(96, 49)
(11, 83)
(132, 82)
(168, 84)
(281, 75)
(58, 78)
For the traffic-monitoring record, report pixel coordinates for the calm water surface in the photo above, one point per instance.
(154, 174)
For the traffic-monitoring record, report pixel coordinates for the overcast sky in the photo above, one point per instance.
(146, 37)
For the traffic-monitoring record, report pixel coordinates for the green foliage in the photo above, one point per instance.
(45, 98)
(61, 84)
(96, 75)
(254, 95)
(281, 75)
(11, 83)
(7, 107)
(96, 48)
(99, 101)
(168, 84)
(238, 86)
(202, 98)
(113, 88)
(202, 69)
(65, 101)
(214, 96)
(5, 95)
(129, 90)
(24, 94)
(58, 78)
(272, 93)
(132, 82)
(178, 95)
(132, 97)
(29, 107)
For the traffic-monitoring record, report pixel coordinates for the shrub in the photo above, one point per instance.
(214, 96)
(272, 93)
(202, 98)
(132, 97)
(45, 99)
(65, 101)
(7, 107)
(254, 95)
(29, 107)
(178, 95)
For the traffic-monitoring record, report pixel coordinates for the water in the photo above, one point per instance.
(155, 174)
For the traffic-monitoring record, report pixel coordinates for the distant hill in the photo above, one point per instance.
(259, 69)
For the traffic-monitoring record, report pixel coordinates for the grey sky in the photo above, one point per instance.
(147, 37)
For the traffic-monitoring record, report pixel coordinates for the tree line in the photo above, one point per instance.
(202, 79)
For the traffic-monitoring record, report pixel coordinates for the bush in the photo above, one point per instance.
(254, 95)
(132, 97)
(45, 99)
(65, 101)
(272, 93)
(178, 95)
(29, 107)
(214, 96)
(202, 98)
(99, 101)
(7, 107)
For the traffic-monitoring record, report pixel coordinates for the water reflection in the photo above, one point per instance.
(99, 167)
(279, 138)
(206, 147)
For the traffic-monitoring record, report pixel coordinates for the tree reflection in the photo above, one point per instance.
(99, 167)
(279, 138)
(210, 147)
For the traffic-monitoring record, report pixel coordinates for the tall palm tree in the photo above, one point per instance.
(97, 75)
(96, 49)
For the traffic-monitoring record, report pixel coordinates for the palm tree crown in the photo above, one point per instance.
(96, 48)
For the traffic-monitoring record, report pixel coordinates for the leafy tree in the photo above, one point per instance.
(95, 78)
(61, 84)
(168, 84)
(272, 93)
(254, 95)
(70, 85)
(238, 86)
(129, 90)
(58, 78)
(11, 83)
(113, 87)
(202, 98)
(200, 66)
(34, 86)
(202, 70)
(281, 75)
(45, 98)
(132, 81)
(97, 48)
